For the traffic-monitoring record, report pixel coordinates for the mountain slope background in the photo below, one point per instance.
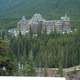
(50, 9)
(17, 8)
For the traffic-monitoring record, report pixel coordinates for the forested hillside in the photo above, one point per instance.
(52, 50)
(49, 8)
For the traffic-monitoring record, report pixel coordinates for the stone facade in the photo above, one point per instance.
(23, 25)
(38, 24)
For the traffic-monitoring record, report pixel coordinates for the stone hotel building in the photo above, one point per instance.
(38, 24)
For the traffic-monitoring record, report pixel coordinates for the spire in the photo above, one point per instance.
(23, 18)
(65, 18)
(66, 15)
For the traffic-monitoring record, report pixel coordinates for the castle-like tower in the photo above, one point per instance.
(36, 23)
(22, 25)
(66, 26)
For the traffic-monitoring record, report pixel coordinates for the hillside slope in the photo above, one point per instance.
(49, 8)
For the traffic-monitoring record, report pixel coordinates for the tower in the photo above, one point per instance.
(65, 23)
(22, 25)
